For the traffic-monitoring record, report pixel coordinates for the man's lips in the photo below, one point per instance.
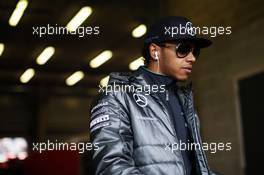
(187, 69)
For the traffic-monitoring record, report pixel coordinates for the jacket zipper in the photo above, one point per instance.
(167, 99)
(167, 95)
(205, 161)
(199, 141)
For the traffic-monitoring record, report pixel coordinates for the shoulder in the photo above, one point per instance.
(113, 95)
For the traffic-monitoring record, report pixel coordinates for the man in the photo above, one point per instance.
(139, 129)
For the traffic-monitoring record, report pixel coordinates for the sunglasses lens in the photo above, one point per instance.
(183, 50)
(196, 52)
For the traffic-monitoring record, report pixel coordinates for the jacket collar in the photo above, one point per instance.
(137, 78)
(153, 78)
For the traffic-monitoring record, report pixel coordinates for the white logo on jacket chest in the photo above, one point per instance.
(141, 100)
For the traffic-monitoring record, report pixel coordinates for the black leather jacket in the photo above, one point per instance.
(135, 134)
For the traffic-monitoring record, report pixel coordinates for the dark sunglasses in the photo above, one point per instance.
(183, 49)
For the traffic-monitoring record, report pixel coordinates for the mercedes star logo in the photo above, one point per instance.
(141, 100)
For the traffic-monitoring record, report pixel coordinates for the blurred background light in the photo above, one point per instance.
(74, 78)
(27, 75)
(139, 31)
(2, 47)
(136, 63)
(45, 55)
(18, 12)
(3, 158)
(12, 148)
(79, 18)
(101, 58)
(104, 81)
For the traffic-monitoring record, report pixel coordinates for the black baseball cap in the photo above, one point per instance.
(174, 28)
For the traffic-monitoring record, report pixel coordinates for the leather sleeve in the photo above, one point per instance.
(110, 130)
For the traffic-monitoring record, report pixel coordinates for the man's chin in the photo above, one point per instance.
(181, 78)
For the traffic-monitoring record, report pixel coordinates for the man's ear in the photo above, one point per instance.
(154, 51)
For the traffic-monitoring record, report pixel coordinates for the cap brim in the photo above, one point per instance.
(200, 42)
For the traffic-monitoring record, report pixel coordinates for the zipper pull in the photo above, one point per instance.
(167, 95)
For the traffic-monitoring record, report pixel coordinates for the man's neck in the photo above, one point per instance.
(154, 67)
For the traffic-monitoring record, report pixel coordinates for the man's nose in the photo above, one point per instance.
(191, 57)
